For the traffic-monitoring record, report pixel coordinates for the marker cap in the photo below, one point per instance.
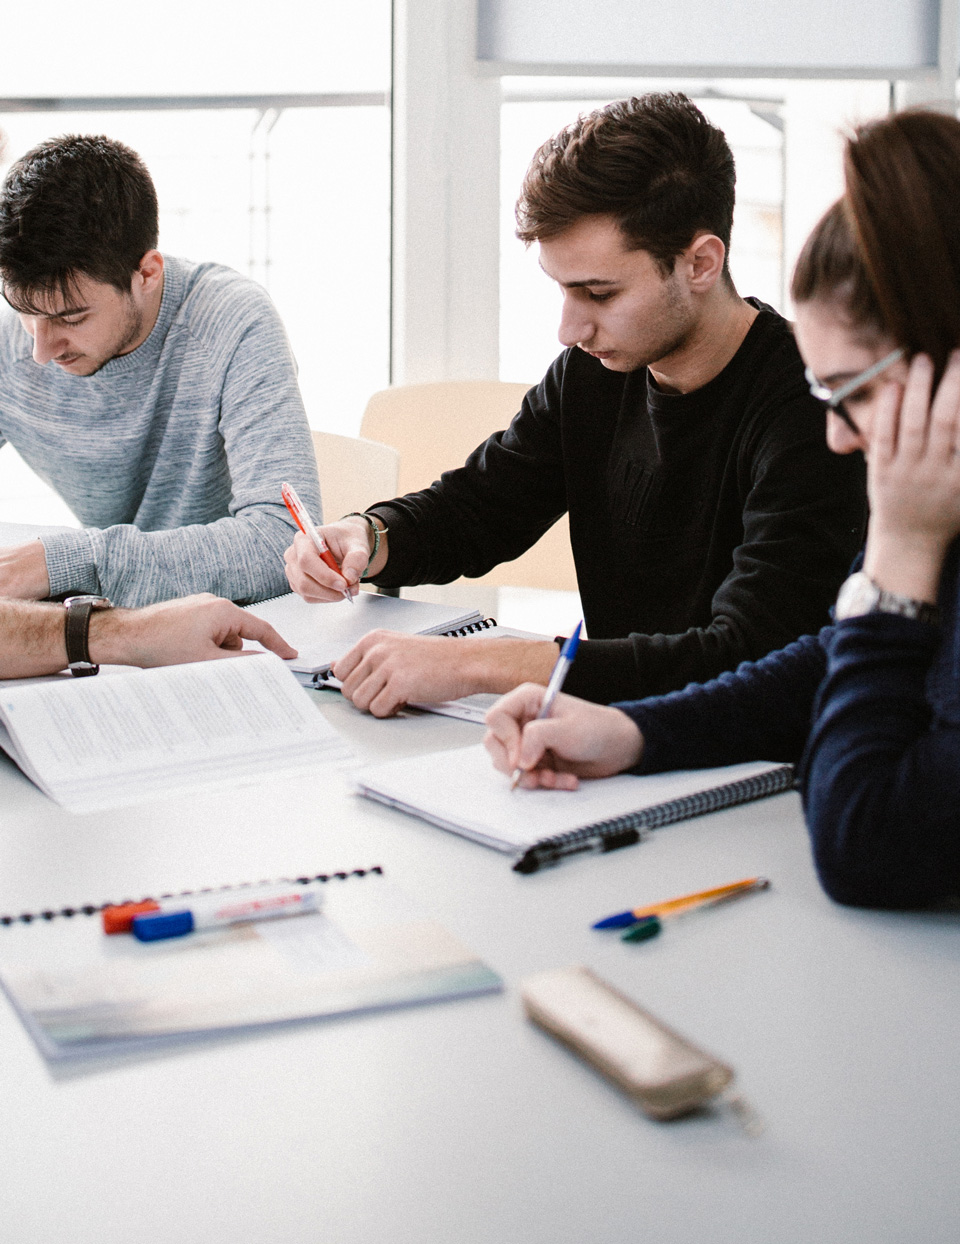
(119, 919)
(152, 928)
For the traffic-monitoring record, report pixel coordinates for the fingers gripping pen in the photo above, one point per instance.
(306, 525)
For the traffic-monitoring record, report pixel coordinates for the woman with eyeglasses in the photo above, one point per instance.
(872, 704)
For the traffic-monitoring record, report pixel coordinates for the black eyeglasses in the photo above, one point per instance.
(834, 398)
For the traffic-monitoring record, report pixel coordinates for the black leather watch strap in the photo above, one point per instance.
(77, 611)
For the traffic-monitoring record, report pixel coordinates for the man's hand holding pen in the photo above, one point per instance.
(351, 542)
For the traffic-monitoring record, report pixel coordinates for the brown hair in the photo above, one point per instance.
(654, 163)
(889, 250)
(83, 203)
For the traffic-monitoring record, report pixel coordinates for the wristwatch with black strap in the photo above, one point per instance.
(76, 621)
(859, 595)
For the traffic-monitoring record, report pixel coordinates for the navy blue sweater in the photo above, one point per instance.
(872, 706)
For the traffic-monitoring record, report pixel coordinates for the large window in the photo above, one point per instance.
(292, 189)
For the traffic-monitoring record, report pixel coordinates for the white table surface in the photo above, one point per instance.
(461, 1122)
(19, 533)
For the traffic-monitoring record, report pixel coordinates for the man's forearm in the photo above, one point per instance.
(499, 665)
(32, 639)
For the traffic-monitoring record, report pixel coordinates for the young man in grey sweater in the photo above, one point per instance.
(157, 396)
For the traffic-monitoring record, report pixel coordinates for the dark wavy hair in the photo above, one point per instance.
(80, 204)
(654, 163)
(889, 251)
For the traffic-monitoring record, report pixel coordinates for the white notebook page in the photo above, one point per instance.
(461, 791)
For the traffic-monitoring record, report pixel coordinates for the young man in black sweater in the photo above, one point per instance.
(709, 522)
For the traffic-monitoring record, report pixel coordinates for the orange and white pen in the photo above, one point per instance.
(675, 906)
(305, 523)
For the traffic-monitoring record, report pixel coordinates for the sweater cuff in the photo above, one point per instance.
(851, 638)
(398, 571)
(655, 757)
(604, 670)
(72, 562)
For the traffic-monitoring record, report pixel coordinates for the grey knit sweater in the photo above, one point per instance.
(172, 456)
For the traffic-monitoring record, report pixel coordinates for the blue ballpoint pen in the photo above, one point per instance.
(564, 661)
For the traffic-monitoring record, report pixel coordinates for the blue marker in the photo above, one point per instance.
(207, 911)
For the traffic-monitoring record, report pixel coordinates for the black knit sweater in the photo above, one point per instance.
(707, 528)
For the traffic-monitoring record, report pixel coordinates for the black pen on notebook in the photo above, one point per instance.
(560, 670)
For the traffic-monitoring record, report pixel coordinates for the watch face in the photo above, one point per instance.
(98, 602)
(859, 595)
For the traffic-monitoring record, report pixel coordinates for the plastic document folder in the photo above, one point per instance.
(81, 993)
(324, 633)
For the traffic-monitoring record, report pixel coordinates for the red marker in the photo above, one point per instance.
(305, 523)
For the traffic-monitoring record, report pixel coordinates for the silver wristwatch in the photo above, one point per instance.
(860, 595)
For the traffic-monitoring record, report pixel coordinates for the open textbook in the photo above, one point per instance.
(460, 790)
(96, 743)
(324, 633)
(81, 993)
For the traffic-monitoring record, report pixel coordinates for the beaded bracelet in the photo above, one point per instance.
(377, 533)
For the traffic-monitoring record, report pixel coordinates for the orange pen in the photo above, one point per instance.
(305, 523)
(674, 906)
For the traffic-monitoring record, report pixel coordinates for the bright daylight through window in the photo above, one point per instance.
(293, 191)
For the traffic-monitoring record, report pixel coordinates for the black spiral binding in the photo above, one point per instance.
(326, 680)
(627, 829)
(88, 909)
(743, 791)
(472, 628)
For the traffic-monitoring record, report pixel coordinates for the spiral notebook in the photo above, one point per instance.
(81, 993)
(324, 633)
(460, 790)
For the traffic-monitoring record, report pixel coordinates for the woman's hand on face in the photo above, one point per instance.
(913, 480)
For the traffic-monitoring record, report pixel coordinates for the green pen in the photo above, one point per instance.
(645, 928)
(649, 926)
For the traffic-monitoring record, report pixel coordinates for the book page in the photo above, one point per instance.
(97, 740)
(468, 708)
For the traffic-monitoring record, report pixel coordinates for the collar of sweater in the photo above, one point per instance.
(148, 352)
